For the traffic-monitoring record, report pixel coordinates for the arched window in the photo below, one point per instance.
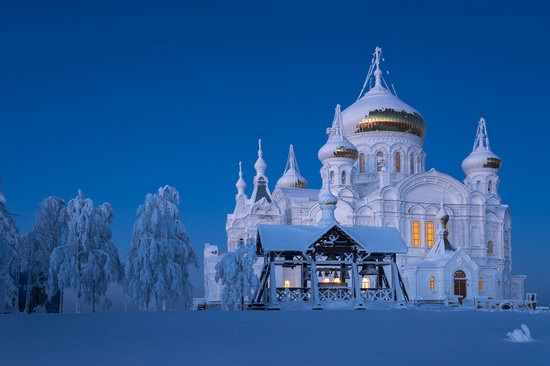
(431, 283)
(490, 186)
(365, 282)
(490, 247)
(397, 162)
(287, 283)
(379, 158)
(480, 284)
(361, 163)
(430, 233)
(412, 157)
(344, 177)
(331, 177)
(478, 185)
(416, 233)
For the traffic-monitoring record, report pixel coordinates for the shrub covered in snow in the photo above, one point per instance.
(235, 272)
(521, 335)
(157, 273)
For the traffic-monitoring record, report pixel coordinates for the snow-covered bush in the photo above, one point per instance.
(235, 273)
(9, 238)
(520, 335)
(88, 260)
(36, 246)
(157, 274)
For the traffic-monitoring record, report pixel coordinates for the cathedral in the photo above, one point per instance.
(456, 236)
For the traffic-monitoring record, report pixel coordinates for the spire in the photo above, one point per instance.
(328, 202)
(241, 184)
(377, 56)
(481, 142)
(442, 245)
(292, 177)
(337, 145)
(337, 126)
(260, 164)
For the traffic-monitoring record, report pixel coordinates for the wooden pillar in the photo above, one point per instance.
(315, 287)
(395, 282)
(359, 303)
(273, 303)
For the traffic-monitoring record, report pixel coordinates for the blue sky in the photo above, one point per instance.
(119, 98)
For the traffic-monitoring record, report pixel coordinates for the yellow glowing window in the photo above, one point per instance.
(430, 235)
(432, 283)
(287, 283)
(365, 282)
(326, 280)
(416, 233)
(480, 284)
(336, 280)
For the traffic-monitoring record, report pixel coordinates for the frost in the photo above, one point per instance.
(235, 272)
(157, 274)
(88, 260)
(9, 264)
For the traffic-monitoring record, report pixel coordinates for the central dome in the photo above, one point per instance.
(380, 110)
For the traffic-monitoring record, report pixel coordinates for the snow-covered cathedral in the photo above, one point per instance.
(457, 234)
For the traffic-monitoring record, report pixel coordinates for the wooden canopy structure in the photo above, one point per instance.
(316, 266)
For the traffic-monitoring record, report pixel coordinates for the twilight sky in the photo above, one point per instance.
(118, 98)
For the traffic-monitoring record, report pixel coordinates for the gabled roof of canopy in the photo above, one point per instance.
(299, 238)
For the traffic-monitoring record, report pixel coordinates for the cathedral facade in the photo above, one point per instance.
(458, 234)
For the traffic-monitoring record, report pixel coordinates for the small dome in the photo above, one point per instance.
(337, 145)
(481, 159)
(442, 214)
(292, 178)
(380, 110)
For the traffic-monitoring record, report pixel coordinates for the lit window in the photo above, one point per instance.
(336, 280)
(365, 282)
(490, 247)
(325, 280)
(480, 284)
(361, 163)
(397, 162)
(287, 283)
(416, 233)
(430, 235)
(344, 177)
(432, 283)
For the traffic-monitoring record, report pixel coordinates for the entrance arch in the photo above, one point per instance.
(460, 285)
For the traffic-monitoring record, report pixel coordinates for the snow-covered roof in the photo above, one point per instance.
(307, 193)
(278, 238)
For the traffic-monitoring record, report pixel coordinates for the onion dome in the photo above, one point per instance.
(260, 165)
(442, 214)
(241, 184)
(292, 177)
(337, 145)
(380, 110)
(481, 159)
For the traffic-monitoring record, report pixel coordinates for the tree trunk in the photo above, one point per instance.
(61, 299)
(28, 292)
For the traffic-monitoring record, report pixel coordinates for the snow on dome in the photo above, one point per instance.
(292, 178)
(337, 145)
(481, 159)
(380, 110)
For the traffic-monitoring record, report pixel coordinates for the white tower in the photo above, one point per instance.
(261, 187)
(338, 157)
(482, 165)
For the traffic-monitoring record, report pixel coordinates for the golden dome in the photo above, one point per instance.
(391, 120)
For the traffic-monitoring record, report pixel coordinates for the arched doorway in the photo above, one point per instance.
(460, 282)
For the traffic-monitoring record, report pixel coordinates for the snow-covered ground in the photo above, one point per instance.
(399, 337)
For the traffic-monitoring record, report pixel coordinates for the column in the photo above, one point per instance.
(359, 303)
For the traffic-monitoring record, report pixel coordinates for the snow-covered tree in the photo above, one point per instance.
(36, 246)
(157, 274)
(235, 273)
(9, 238)
(88, 260)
